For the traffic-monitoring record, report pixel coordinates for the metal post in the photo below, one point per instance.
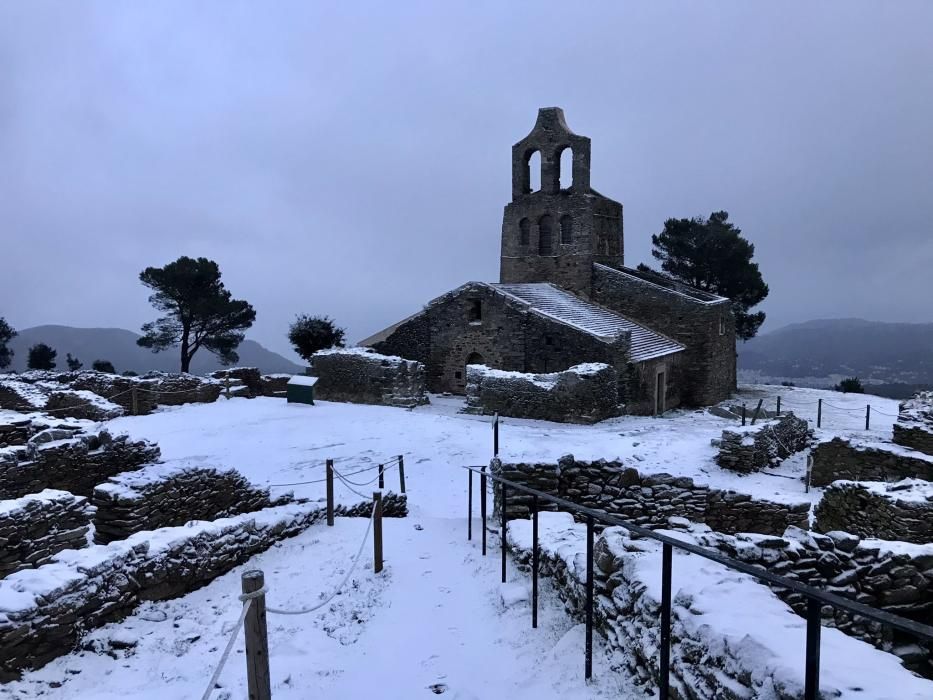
(819, 413)
(382, 480)
(534, 563)
(812, 674)
(778, 405)
(743, 414)
(867, 416)
(469, 504)
(502, 532)
(482, 505)
(401, 472)
(330, 493)
(588, 654)
(495, 436)
(377, 532)
(665, 670)
(257, 641)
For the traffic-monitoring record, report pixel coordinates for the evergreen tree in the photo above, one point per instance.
(7, 333)
(199, 311)
(74, 364)
(850, 385)
(103, 366)
(308, 334)
(41, 356)
(713, 256)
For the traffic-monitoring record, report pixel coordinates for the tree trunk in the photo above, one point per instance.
(185, 357)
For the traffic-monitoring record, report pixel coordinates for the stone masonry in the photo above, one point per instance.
(888, 511)
(754, 447)
(35, 527)
(914, 426)
(581, 394)
(359, 375)
(648, 500)
(867, 461)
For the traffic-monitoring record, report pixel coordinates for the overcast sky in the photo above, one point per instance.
(353, 159)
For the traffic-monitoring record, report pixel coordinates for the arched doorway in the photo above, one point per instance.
(474, 358)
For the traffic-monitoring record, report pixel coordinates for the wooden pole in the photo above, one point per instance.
(778, 405)
(257, 641)
(382, 478)
(401, 472)
(743, 414)
(757, 411)
(330, 493)
(819, 413)
(867, 416)
(377, 532)
(227, 382)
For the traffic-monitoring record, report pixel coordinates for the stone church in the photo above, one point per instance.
(565, 297)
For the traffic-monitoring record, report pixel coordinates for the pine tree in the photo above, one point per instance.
(41, 356)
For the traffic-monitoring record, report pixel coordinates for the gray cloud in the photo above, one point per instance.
(355, 160)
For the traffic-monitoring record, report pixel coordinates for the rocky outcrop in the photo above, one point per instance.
(359, 375)
(35, 527)
(889, 511)
(168, 495)
(585, 393)
(646, 499)
(754, 447)
(71, 461)
(840, 459)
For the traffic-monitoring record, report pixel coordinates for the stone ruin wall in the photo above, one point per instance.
(359, 375)
(840, 459)
(106, 582)
(914, 426)
(36, 527)
(752, 448)
(897, 511)
(646, 499)
(582, 394)
(159, 496)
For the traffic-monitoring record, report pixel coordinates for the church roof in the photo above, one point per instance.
(551, 301)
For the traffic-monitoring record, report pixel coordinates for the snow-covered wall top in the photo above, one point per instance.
(914, 426)
(361, 375)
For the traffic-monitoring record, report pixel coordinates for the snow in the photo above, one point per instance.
(302, 380)
(908, 490)
(12, 505)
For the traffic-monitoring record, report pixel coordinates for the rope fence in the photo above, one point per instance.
(781, 404)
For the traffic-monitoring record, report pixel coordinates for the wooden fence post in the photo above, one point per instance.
(743, 414)
(377, 532)
(227, 383)
(778, 405)
(257, 641)
(819, 413)
(757, 411)
(330, 493)
(401, 472)
(867, 416)
(382, 478)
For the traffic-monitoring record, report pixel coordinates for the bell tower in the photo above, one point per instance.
(555, 234)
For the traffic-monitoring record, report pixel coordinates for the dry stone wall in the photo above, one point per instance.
(585, 393)
(914, 426)
(35, 527)
(165, 496)
(898, 511)
(45, 616)
(359, 375)
(846, 460)
(60, 459)
(274, 384)
(754, 447)
(646, 499)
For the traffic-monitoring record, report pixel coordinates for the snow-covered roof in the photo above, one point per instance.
(551, 301)
(302, 380)
(668, 286)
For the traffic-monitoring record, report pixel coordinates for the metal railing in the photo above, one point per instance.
(815, 597)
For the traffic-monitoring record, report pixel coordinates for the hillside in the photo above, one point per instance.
(881, 353)
(119, 346)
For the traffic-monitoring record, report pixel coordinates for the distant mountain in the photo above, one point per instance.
(119, 346)
(881, 353)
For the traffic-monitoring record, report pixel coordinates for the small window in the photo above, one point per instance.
(458, 375)
(475, 311)
(722, 325)
(524, 232)
(566, 229)
(548, 340)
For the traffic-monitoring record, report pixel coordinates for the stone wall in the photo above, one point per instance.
(274, 384)
(45, 616)
(359, 375)
(723, 622)
(582, 394)
(867, 461)
(243, 381)
(687, 316)
(60, 459)
(164, 496)
(914, 426)
(754, 447)
(889, 511)
(35, 527)
(646, 499)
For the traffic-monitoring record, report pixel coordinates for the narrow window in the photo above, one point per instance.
(566, 229)
(722, 325)
(534, 171)
(475, 311)
(524, 232)
(565, 163)
(545, 235)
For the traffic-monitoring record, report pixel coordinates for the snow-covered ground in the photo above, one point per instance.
(438, 615)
